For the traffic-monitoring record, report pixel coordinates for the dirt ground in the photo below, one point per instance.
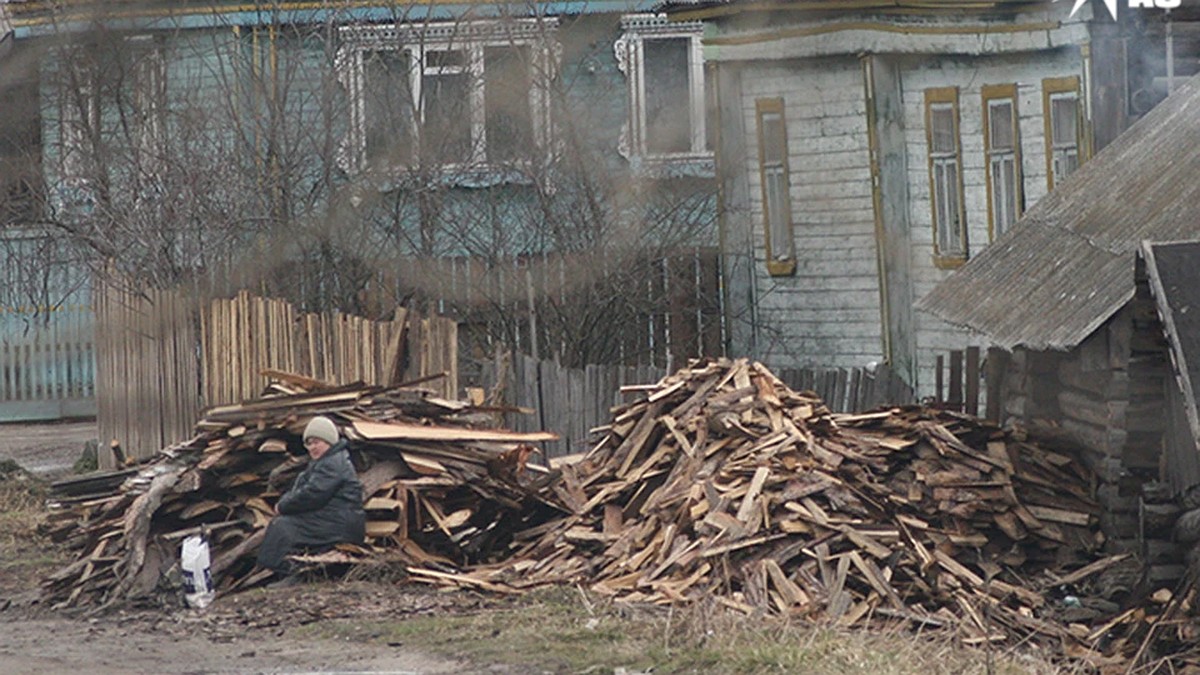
(262, 631)
(48, 450)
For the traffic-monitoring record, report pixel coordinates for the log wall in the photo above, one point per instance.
(1107, 397)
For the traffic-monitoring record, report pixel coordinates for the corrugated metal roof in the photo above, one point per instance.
(1067, 265)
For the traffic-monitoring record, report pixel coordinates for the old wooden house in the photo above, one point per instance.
(868, 149)
(356, 154)
(1094, 341)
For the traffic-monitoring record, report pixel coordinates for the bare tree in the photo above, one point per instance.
(466, 166)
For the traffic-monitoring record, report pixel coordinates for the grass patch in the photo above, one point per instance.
(25, 554)
(563, 631)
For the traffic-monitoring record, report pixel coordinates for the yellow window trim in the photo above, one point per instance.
(1062, 85)
(776, 268)
(932, 96)
(994, 92)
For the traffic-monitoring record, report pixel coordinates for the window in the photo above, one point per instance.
(465, 96)
(112, 109)
(1064, 128)
(1002, 150)
(776, 195)
(665, 69)
(945, 176)
(149, 99)
(21, 188)
(78, 118)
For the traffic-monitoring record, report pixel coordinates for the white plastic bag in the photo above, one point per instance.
(197, 572)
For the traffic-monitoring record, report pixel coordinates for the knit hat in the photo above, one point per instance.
(322, 428)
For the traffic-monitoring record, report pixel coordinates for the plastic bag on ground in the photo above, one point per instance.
(197, 572)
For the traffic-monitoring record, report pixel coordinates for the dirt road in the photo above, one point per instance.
(45, 449)
(100, 647)
(259, 631)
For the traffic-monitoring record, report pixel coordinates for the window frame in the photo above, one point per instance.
(1052, 87)
(776, 266)
(935, 97)
(150, 96)
(472, 38)
(1001, 92)
(629, 50)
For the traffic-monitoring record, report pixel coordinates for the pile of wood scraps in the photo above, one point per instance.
(720, 482)
(439, 491)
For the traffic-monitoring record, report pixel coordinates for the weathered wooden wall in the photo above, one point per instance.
(1108, 397)
(970, 75)
(829, 312)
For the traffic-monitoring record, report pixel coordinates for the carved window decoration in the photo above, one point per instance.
(945, 176)
(467, 97)
(664, 65)
(1002, 150)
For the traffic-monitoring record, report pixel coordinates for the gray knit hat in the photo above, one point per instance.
(322, 428)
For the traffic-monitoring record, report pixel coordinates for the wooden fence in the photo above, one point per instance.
(163, 356)
(147, 373)
(850, 389)
(573, 401)
(247, 334)
(959, 379)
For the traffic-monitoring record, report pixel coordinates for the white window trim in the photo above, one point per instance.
(636, 29)
(470, 37)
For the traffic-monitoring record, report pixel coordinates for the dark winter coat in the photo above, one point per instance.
(324, 506)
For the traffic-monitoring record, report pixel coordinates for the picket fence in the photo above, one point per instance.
(47, 369)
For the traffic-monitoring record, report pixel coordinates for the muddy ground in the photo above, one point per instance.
(261, 631)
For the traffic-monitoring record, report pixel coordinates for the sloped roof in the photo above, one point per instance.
(716, 8)
(1068, 264)
(1174, 277)
(44, 17)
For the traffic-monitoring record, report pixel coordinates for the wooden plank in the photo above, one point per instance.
(955, 395)
(382, 431)
(971, 402)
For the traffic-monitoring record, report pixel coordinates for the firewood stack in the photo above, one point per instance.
(722, 483)
(437, 490)
(717, 483)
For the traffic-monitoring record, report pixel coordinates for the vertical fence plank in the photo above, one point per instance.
(972, 393)
(938, 369)
(997, 365)
(955, 398)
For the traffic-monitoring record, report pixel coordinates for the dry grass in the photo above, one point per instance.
(565, 631)
(25, 555)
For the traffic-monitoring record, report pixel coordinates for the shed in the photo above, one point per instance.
(1092, 340)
